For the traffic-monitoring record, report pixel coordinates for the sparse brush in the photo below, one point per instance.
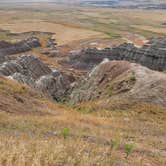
(132, 77)
(65, 132)
(114, 144)
(128, 149)
(141, 162)
(1, 82)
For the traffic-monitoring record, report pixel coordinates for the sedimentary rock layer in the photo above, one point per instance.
(151, 55)
(7, 48)
(30, 70)
(122, 80)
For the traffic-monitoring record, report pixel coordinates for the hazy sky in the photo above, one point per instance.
(5, 1)
(24, 0)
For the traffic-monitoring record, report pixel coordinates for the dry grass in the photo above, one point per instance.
(63, 34)
(35, 137)
(31, 132)
(151, 28)
(31, 125)
(51, 152)
(38, 140)
(80, 25)
(18, 98)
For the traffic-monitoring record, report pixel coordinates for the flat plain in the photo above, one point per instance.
(80, 25)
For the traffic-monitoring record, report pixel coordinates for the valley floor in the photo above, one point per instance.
(84, 26)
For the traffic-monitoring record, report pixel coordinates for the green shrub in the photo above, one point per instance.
(110, 91)
(114, 144)
(85, 109)
(128, 149)
(65, 132)
(1, 82)
(132, 77)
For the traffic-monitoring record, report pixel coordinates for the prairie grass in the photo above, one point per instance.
(39, 139)
(26, 152)
(33, 128)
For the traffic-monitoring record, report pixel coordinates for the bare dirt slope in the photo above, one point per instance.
(121, 79)
(149, 85)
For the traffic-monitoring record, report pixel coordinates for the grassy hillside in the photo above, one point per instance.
(36, 131)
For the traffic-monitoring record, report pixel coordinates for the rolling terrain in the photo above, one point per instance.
(85, 26)
(39, 131)
(82, 85)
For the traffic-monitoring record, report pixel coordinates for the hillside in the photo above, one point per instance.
(121, 80)
(82, 83)
(36, 130)
(118, 105)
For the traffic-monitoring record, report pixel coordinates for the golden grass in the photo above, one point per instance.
(63, 33)
(151, 28)
(37, 139)
(19, 98)
(31, 130)
(31, 125)
(79, 25)
(26, 152)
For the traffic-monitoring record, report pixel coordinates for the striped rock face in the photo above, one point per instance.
(7, 48)
(121, 80)
(151, 55)
(30, 70)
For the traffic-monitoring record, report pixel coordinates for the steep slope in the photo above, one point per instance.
(122, 80)
(35, 130)
(29, 70)
(21, 99)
